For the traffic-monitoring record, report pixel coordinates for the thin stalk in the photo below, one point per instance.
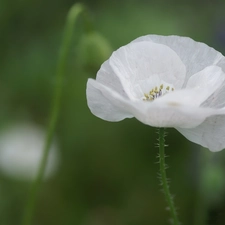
(74, 12)
(164, 179)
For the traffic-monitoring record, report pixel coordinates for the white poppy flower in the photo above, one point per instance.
(164, 81)
(21, 148)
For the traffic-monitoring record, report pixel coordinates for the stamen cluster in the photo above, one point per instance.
(157, 92)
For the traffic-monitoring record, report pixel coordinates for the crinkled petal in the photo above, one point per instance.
(185, 97)
(209, 134)
(206, 82)
(101, 106)
(172, 116)
(216, 100)
(177, 109)
(139, 61)
(109, 105)
(195, 55)
(108, 77)
(211, 77)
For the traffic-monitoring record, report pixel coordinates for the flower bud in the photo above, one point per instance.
(93, 50)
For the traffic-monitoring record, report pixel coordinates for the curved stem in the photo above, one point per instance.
(163, 177)
(74, 12)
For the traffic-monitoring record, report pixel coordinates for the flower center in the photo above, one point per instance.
(157, 92)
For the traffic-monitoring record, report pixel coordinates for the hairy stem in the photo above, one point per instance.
(163, 177)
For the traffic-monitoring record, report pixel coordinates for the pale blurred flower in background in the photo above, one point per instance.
(21, 148)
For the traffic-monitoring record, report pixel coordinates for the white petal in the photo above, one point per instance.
(216, 100)
(186, 97)
(206, 82)
(101, 106)
(210, 134)
(211, 77)
(139, 61)
(107, 77)
(172, 114)
(195, 55)
(109, 105)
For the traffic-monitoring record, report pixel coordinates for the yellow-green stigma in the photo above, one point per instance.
(157, 92)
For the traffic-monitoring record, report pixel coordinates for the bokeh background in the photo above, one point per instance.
(107, 172)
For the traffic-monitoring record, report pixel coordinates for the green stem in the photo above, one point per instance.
(163, 177)
(74, 12)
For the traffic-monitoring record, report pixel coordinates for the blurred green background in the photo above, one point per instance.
(108, 173)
